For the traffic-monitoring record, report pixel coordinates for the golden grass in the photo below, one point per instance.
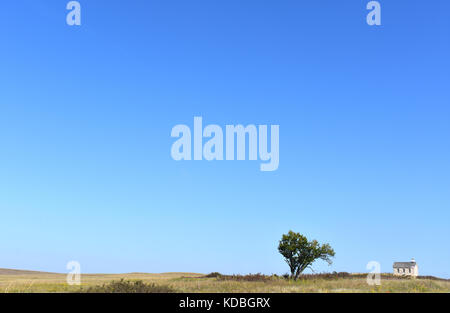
(197, 283)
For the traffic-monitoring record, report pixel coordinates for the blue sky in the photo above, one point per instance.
(86, 114)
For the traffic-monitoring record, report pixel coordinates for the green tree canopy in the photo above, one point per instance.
(300, 254)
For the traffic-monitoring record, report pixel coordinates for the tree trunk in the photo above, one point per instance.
(292, 272)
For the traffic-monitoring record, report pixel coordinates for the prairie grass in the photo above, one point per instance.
(217, 283)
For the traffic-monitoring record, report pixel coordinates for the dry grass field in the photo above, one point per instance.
(14, 281)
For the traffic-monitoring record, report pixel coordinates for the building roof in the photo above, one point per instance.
(404, 264)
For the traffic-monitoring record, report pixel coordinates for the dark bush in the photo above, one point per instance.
(327, 276)
(213, 275)
(125, 286)
(330, 276)
(265, 278)
(249, 277)
(432, 278)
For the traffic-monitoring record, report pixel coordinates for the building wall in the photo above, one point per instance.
(416, 270)
(411, 271)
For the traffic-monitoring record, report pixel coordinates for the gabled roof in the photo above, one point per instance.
(404, 264)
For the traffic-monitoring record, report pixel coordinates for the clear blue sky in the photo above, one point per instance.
(86, 114)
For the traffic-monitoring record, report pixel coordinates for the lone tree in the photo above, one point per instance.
(299, 253)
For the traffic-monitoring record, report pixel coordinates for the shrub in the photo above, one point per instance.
(249, 277)
(329, 276)
(214, 275)
(125, 286)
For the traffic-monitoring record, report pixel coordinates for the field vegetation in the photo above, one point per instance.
(32, 282)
